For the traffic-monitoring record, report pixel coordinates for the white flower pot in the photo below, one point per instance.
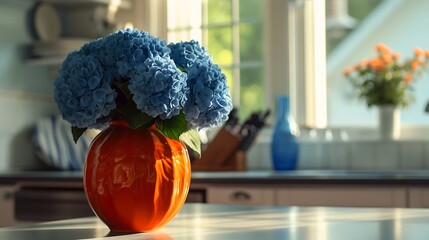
(389, 122)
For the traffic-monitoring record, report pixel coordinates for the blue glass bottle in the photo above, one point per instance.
(284, 145)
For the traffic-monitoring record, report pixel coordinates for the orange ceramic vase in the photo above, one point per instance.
(136, 180)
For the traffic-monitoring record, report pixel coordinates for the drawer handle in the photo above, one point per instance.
(8, 195)
(241, 196)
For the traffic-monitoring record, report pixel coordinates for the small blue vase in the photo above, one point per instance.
(284, 145)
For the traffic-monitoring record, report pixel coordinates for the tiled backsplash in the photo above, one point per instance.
(364, 154)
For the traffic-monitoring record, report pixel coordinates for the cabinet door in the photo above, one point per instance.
(418, 197)
(343, 196)
(7, 216)
(240, 195)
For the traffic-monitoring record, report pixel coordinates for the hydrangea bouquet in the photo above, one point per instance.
(130, 75)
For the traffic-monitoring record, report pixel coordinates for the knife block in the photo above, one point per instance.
(222, 154)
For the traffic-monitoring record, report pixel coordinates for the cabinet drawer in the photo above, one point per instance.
(7, 217)
(43, 204)
(418, 197)
(342, 196)
(241, 196)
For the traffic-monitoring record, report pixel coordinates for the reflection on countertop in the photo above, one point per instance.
(207, 221)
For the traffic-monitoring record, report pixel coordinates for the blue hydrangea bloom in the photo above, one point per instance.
(185, 54)
(159, 87)
(209, 101)
(151, 68)
(121, 51)
(82, 93)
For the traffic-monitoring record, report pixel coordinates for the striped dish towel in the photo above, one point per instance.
(55, 146)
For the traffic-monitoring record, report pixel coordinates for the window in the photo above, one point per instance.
(259, 44)
(291, 34)
(232, 31)
(398, 24)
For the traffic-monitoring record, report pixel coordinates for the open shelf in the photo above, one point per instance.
(125, 4)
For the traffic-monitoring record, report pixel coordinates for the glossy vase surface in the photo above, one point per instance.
(136, 180)
(284, 145)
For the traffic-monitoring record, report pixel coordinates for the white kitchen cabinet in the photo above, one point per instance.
(240, 195)
(418, 197)
(342, 196)
(7, 208)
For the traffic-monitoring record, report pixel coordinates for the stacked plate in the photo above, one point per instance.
(59, 47)
(48, 28)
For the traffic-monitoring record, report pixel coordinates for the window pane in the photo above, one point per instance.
(228, 74)
(219, 11)
(185, 35)
(184, 13)
(177, 36)
(251, 42)
(357, 9)
(251, 9)
(251, 91)
(360, 9)
(220, 45)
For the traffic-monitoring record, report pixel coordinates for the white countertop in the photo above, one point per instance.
(209, 222)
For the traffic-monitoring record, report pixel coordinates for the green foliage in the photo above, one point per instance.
(361, 8)
(220, 44)
(251, 9)
(358, 9)
(172, 127)
(77, 132)
(135, 117)
(378, 90)
(219, 11)
(252, 91)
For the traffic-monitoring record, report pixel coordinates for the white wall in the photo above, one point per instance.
(18, 115)
(25, 91)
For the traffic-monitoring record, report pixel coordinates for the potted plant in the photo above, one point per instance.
(386, 82)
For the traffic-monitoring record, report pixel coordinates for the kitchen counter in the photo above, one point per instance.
(252, 177)
(55, 195)
(210, 222)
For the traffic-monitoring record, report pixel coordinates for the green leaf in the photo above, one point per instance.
(135, 117)
(173, 127)
(141, 120)
(77, 132)
(192, 140)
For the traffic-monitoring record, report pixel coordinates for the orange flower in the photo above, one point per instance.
(415, 64)
(347, 71)
(418, 52)
(395, 56)
(408, 78)
(363, 64)
(382, 48)
(427, 54)
(377, 64)
(387, 58)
